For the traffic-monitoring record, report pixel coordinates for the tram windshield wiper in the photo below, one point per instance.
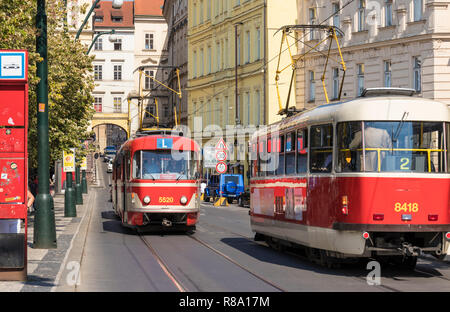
(399, 127)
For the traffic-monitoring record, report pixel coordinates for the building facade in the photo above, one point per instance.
(151, 57)
(232, 56)
(176, 14)
(398, 43)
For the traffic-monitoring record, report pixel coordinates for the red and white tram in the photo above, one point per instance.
(156, 182)
(363, 178)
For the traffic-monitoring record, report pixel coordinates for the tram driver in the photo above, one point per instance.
(373, 138)
(151, 166)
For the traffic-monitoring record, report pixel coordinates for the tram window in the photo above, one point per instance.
(302, 151)
(280, 149)
(349, 149)
(290, 153)
(321, 158)
(254, 159)
(447, 146)
(128, 165)
(262, 157)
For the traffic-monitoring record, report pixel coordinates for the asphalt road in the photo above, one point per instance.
(221, 256)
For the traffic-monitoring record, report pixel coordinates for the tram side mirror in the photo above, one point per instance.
(96, 155)
(197, 175)
(248, 174)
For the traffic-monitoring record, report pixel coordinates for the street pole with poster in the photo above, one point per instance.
(83, 168)
(70, 209)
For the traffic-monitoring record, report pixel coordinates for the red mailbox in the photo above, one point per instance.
(13, 164)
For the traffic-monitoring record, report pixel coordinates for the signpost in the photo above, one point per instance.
(70, 209)
(221, 155)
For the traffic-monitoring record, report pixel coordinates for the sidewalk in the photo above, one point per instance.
(45, 266)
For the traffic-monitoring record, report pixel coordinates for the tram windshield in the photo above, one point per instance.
(392, 146)
(165, 165)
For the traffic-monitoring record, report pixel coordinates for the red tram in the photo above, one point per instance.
(156, 182)
(363, 178)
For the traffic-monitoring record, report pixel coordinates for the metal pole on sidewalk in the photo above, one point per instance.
(44, 220)
(78, 192)
(84, 189)
(70, 209)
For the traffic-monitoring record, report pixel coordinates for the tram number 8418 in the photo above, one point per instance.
(406, 207)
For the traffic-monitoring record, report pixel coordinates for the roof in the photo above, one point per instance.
(107, 12)
(148, 7)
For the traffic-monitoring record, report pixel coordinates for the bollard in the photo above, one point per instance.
(70, 209)
(84, 188)
(79, 195)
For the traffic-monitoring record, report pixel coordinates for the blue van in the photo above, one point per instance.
(230, 186)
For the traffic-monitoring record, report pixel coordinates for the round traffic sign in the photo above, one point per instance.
(221, 167)
(221, 155)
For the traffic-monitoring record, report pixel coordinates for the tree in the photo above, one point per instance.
(70, 76)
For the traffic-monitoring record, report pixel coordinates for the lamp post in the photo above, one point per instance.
(116, 4)
(44, 220)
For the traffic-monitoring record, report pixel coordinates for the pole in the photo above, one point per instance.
(44, 220)
(86, 19)
(70, 209)
(84, 188)
(79, 194)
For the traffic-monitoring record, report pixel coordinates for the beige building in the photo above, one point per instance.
(386, 43)
(232, 59)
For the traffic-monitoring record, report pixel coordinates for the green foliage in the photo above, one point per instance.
(70, 77)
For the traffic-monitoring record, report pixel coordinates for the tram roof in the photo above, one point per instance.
(372, 108)
(149, 142)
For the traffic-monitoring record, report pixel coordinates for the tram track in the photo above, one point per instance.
(299, 256)
(178, 284)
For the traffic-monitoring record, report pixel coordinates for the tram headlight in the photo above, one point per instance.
(183, 200)
(147, 200)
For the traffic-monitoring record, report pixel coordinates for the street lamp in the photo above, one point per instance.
(112, 38)
(116, 4)
(44, 220)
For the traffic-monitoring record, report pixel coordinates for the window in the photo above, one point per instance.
(248, 107)
(148, 82)
(302, 151)
(258, 43)
(117, 104)
(312, 86)
(417, 10)
(208, 8)
(225, 110)
(148, 41)
(116, 19)
(400, 146)
(118, 45)
(349, 160)
(202, 63)
(336, 16)
(387, 13)
(98, 46)
(312, 21)
(321, 158)
(387, 74)
(335, 83)
(194, 15)
(247, 38)
(360, 77)
(194, 65)
(279, 145)
(417, 69)
(257, 108)
(98, 19)
(201, 11)
(98, 101)
(117, 72)
(238, 49)
(217, 56)
(361, 14)
(98, 72)
(209, 60)
(290, 153)
(166, 111)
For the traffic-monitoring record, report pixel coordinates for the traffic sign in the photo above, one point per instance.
(209, 161)
(221, 167)
(221, 145)
(221, 155)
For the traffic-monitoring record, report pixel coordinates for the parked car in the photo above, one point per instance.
(230, 186)
(109, 167)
